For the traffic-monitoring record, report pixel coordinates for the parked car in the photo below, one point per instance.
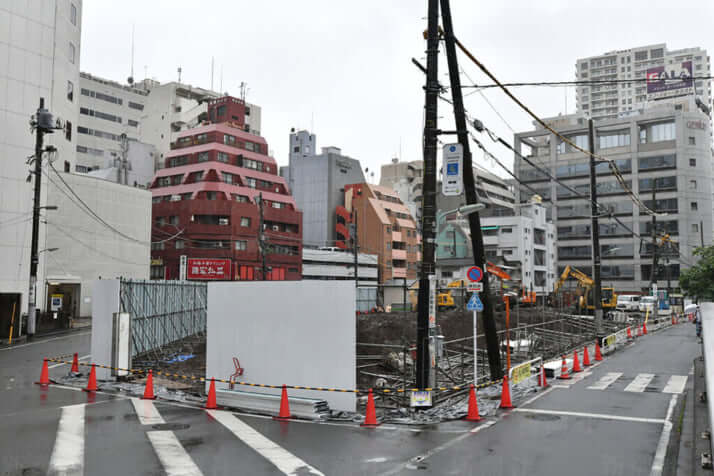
(647, 303)
(628, 302)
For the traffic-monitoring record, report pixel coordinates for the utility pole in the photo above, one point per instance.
(595, 230)
(489, 323)
(261, 236)
(355, 244)
(431, 90)
(43, 124)
(653, 272)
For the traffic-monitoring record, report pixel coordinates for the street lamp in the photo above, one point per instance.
(462, 211)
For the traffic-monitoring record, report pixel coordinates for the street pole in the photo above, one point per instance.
(489, 323)
(653, 272)
(355, 245)
(261, 236)
(508, 334)
(597, 299)
(475, 348)
(34, 255)
(431, 90)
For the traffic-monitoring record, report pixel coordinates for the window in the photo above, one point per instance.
(221, 111)
(692, 185)
(73, 14)
(211, 195)
(640, 55)
(222, 157)
(277, 205)
(506, 230)
(203, 156)
(68, 130)
(227, 138)
(180, 244)
(250, 182)
(241, 245)
(71, 52)
(173, 220)
(692, 141)
(658, 162)
(133, 123)
(659, 132)
(694, 206)
(695, 227)
(296, 148)
(137, 106)
(692, 162)
(157, 246)
(227, 177)
(614, 139)
(245, 222)
(70, 91)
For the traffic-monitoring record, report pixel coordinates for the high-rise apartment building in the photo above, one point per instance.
(220, 209)
(642, 75)
(40, 49)
(665, 158)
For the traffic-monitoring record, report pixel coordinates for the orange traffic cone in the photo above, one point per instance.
(644, 328)
(598, 354)
(473, 414)
(629, 333)
(75, 364)
(284, 413)
(44, 375)
(370, 416)
(673, 323)
(92, 382)
(149, 390)
(211, 400)
(506, 394)
(564, 371)
(586, 357)
(543, 381)
(576, 363)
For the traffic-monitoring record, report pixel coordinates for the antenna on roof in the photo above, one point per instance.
(243, 91)
(221, 88)
(130, 80)
(211, 73)
(179, 74)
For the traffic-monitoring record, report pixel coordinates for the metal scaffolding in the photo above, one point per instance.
(162, 312)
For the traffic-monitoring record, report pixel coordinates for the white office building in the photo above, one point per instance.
(40, 52)
(639, 73)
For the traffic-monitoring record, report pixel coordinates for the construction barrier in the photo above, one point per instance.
(524, 370)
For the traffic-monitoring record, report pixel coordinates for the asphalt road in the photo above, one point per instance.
(568, 430)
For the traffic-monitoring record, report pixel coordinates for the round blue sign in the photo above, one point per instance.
(474, 274)
(452, 148)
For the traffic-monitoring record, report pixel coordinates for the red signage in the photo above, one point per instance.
(204, 269)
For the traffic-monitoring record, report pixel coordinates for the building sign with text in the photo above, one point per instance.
(671, 80)
(219, 269)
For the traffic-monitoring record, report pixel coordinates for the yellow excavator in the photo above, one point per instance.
(585, 303)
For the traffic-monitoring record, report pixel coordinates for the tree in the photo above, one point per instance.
(699, 279)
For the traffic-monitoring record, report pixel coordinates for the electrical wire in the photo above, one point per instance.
(584, 82)
(616, 172)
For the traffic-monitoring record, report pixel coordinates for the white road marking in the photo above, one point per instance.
(43, 341)
(658, 462)
(171, 453)
(279, 456)
(675, 384)
(639, 383)
(606, 380)
(600, 416)
(62, 363)
(147, 412)
(380, 459)
(68, 453)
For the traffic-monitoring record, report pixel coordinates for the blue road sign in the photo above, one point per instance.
(474, 303)
(474, 274)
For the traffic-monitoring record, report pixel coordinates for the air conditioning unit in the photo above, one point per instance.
(276, 228)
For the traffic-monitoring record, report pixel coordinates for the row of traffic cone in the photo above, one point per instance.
(564, 375)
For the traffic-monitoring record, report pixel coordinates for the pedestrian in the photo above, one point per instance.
(698, 321)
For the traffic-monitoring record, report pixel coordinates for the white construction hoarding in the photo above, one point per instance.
(284, 332)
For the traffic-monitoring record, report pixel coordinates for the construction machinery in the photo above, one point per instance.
(585, 285)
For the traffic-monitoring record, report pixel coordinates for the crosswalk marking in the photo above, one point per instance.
(171, 453)
(279, 456)
(68, 453)
(675, 384)
(606, 380)
(147, 412)
(639, 383)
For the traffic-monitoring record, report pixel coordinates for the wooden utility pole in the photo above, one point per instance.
(429, 193)
(595, 225)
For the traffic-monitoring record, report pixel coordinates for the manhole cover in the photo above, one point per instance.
(542, 417)
(170, 426)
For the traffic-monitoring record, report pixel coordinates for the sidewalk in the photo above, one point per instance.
(77, 326)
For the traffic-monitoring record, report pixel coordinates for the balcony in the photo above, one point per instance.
(399, 272)
(399, 254)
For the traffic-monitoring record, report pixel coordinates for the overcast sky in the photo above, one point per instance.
(343, 70)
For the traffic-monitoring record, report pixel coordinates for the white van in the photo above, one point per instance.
(628, 302)
(648, 303)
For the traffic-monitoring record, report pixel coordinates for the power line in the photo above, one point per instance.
(584, 82)
(611, 163)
